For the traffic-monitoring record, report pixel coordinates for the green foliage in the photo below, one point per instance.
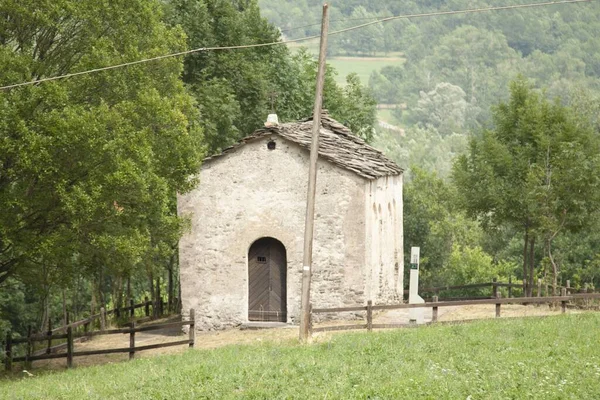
(364, 41)
(536, 165)
(442, 362)
(445, 108)
(534, 172)
(89, 166)
(423, 147)
(234, 89)
(468, 265)
(433, 223)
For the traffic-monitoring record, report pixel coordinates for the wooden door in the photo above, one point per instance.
(267, 281)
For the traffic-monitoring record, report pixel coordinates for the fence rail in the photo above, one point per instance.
(542, 287)
(435, 305)
(70, 336)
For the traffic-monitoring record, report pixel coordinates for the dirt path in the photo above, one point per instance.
(460, 313)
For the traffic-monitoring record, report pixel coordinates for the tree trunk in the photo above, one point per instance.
(525, 243)
(152, 299)
(158, 298)
(151, 288)
(128, 290)
(554, 268)
(178, 296)
(93, 305)
(100, 291)
(64, 309)
(531, 266)
(45, 313)
(170, 288)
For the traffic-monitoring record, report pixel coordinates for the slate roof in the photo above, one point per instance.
(337, 144)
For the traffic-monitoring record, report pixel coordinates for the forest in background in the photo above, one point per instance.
(90, 167)
(449, 93)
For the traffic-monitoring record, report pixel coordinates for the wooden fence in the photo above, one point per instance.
(435, 305)
(70, 337)
(151, 310)
(543, 289)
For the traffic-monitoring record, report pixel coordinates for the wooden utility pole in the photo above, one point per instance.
(312, 182)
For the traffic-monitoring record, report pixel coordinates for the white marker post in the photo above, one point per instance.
(417, 315)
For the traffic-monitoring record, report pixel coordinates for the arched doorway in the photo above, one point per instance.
(267, 281)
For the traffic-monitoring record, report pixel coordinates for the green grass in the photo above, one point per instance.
(386, 115)
(363, 66)
(550, 358)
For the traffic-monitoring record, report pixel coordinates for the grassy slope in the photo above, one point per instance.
(386, 115)
(362, 66)
(552, 358)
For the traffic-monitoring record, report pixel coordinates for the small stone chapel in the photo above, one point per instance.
(242, 259)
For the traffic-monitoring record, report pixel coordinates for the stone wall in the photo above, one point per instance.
(384, 240)
(254, 193)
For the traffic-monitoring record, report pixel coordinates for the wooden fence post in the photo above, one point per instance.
(510, 286)
(132, 341)
(434, 314)
(147, 306)
(370, 315)
(8, 352)
(102, 319)
(192, 336)
(498, 296)
(494, 287)
(69, 347)
(49, 333)
(564, 303)
(132, 311)
(568, 287)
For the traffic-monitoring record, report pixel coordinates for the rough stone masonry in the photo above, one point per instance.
(258, 189)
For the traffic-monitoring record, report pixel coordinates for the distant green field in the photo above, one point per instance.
(362, 66)
(386, 116)
(551, 358)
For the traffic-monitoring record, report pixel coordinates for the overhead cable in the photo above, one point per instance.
(278, 43)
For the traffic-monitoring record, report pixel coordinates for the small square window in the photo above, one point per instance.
(262, 260)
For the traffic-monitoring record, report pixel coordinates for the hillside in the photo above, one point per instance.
(456, 66)
(549, 358)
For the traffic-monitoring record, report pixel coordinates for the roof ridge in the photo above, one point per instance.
(338, 144)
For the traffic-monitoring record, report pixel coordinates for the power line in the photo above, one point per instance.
(248, 46)
(295, 28)
(468, 11)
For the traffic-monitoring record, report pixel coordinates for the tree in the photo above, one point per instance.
(445, 108)
(236, 90)
(89, 166)
(534, 171)
(433, 222)
(368, 40)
